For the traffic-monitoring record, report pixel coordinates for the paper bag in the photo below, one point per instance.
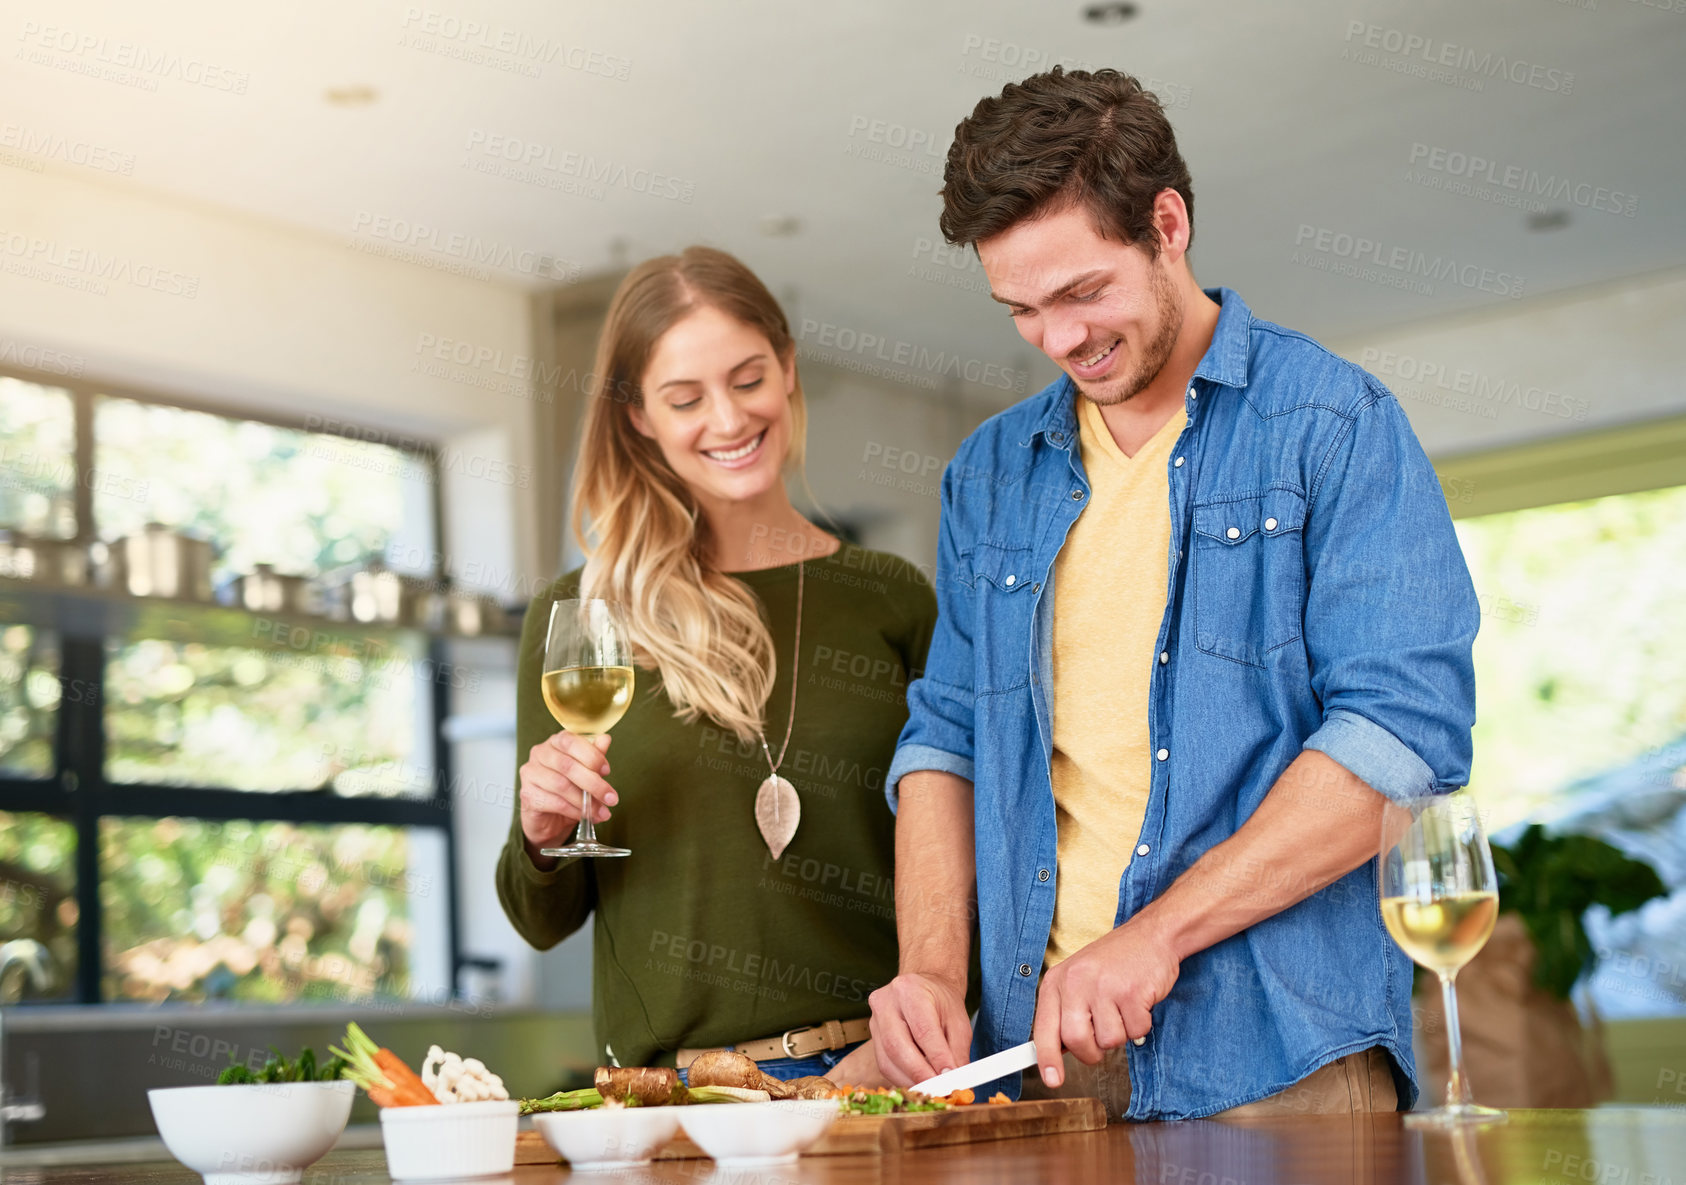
(1522, 1047)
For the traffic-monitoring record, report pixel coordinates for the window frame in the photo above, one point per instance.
(83, 620)
(1575, 466)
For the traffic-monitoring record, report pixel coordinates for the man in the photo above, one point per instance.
(1202, 612)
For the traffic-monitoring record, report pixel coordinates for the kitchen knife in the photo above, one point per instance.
(985, 1069)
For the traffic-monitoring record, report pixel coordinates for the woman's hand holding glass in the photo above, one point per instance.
(558, 775)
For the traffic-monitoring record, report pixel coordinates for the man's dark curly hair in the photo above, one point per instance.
(1093, 139)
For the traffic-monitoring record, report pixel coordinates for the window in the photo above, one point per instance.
(191, 714)
(1581, 695)
(30, 692)
(38, 908)
(306, 503)
(37, 460)
(197, 802)
(263, 912)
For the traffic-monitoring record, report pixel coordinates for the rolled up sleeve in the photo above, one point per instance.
(938, 733)
(1391, 615)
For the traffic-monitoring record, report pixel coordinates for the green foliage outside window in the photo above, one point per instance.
(190, 714)
(305, 502)
(257, 912)
(37, 459)
(29, 700)
(37, 907)
(1580, 665)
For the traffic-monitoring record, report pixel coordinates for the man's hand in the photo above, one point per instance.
(1102, 997)
(920, 1027)
(859, 1067)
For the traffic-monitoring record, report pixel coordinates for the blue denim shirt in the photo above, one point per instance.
(1317, 599)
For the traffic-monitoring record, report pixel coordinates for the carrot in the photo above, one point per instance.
(960, 1098)
(407, 1087)
(386, 1080)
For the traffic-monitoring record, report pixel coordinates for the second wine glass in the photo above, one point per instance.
(587, 686)
(1439, 899)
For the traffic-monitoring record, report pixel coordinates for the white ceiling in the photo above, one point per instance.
(752, 103)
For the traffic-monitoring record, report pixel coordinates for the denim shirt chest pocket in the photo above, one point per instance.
(1249, 573)
(1004, 586)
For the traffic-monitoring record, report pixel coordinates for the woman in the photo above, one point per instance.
(763, 642)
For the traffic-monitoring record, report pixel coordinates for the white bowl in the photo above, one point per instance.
(609, 1138)
(748, 1134)
(251, 1135)
(449, 1140)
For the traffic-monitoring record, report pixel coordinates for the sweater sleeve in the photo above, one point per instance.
(920, 626)
(543, 906)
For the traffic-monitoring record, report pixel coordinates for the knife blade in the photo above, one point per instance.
(983, 1070)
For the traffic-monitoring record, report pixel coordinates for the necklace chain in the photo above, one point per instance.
(795, 666)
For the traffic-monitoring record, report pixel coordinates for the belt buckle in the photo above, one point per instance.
(784, 1041)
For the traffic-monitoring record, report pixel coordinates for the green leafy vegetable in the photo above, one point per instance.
(1551, 881)
(279, 1069)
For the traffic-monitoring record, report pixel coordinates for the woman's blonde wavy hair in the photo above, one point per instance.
(651, 551)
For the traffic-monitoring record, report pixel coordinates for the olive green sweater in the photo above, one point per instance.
(700, 938)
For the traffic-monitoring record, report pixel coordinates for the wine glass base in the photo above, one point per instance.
(570, 851)
(1455, 1116)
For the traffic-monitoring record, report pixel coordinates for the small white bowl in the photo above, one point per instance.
(449, 1140)
(251, 1135)
(744, 1135)
(609, 1138)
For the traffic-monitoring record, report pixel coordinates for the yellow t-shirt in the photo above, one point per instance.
(1109, 599)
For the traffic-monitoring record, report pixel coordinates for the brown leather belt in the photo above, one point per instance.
(833, 1034)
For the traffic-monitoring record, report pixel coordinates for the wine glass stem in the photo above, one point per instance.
(1457, 1086)
(587, 830)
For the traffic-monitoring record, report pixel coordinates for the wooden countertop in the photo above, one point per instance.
(1611, 1146)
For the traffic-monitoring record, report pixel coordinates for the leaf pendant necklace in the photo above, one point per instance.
(777, 808)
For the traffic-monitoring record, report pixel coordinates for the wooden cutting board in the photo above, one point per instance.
(898, 1133)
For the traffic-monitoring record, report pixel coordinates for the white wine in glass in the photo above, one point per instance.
(587, 685)
(1440, 899)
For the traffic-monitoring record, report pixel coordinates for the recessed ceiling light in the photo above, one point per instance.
(1109, 14)
(351, 96)
(1544, 220)
(780, 226)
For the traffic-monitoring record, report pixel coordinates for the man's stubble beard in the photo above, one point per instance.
(1127, 386)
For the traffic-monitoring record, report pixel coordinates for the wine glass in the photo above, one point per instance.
(587, 687)
(1440, 899)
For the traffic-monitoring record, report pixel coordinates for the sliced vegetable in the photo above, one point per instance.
(887, 1100)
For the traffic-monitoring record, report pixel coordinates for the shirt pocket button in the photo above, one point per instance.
(1247, 573)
